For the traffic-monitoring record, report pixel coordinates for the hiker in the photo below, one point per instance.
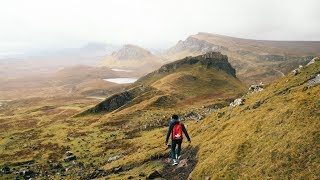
(175, 129)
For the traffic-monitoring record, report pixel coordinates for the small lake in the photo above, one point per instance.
(121, 70)
(121, 80)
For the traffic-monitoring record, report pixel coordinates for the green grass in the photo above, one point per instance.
(279, 139)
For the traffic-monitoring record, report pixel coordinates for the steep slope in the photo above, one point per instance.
(274, 134)
(254, 60)
(132, 57)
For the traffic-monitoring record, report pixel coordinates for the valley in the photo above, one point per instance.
(273, 133)
(109, 120)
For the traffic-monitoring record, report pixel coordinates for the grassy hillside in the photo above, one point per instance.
(275, 134)
(192, 81)
(279, 138)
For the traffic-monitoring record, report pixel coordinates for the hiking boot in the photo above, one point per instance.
(175, 162)
(178, 157)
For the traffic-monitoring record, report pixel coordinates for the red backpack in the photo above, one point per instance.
(177, 132)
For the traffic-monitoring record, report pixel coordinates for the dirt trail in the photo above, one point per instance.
(186, 164)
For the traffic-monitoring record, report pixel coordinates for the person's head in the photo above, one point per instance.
(175, 117)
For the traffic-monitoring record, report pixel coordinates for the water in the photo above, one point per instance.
(121, 80)
(121, 70)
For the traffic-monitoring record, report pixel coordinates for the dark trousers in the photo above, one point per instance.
(175, 151)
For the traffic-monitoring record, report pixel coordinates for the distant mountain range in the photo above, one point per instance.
(255, 60)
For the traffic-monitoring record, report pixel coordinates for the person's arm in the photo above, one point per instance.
(169, 132)
(185, 132)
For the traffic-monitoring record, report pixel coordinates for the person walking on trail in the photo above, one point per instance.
(175, 129)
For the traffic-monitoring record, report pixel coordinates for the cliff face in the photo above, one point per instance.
(195, 45)
(210, 60)
(255, 60)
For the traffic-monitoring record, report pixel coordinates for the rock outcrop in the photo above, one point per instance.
(313, 61)
(237, 102)
(195, 45)
(214, 60)
(116, 101)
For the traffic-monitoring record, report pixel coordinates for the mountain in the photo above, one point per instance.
(273, 132)
(186, 82)
(132, 57)
(255, 60)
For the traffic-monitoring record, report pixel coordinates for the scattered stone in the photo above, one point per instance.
(313, 61)
(116, 170)
(70, 158)
(313, 82)
(27, 174)
(256, 88)
(5, 169)
(192, 115)
(183, 163)
(69, 153)
(295, 72)
(237, 102)
(113, 158)
(154, 175)
(130, 177)
(142, 174)
(256, 105)
(57, 166)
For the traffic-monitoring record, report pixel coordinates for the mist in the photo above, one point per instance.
(37, 25)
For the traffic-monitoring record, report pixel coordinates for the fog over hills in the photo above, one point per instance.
(88, 89)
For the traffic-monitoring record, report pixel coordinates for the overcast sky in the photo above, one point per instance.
(31, 24)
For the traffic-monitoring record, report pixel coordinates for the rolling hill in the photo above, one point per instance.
(273, 134)
(186, 82)
(132, 57)
(255, 60)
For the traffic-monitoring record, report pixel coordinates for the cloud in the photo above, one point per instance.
(156, 23)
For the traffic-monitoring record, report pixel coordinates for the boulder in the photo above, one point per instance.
(313, 82)
(70, 158)
(154, 174)
(256, 88)
(142, 174)
(183, 163)
(69, 153)
(295, 71)
(5, 170)
(113, 158)
(27, 174)
(237, 102)
(116, 169)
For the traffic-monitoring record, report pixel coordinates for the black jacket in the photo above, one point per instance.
(172, 123)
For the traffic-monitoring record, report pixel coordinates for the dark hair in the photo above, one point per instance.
(175, 116)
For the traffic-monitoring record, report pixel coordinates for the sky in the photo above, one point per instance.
(40, 24)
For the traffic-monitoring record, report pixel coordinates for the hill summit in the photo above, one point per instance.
(130, 51)
(132, 57)
(189, 81)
